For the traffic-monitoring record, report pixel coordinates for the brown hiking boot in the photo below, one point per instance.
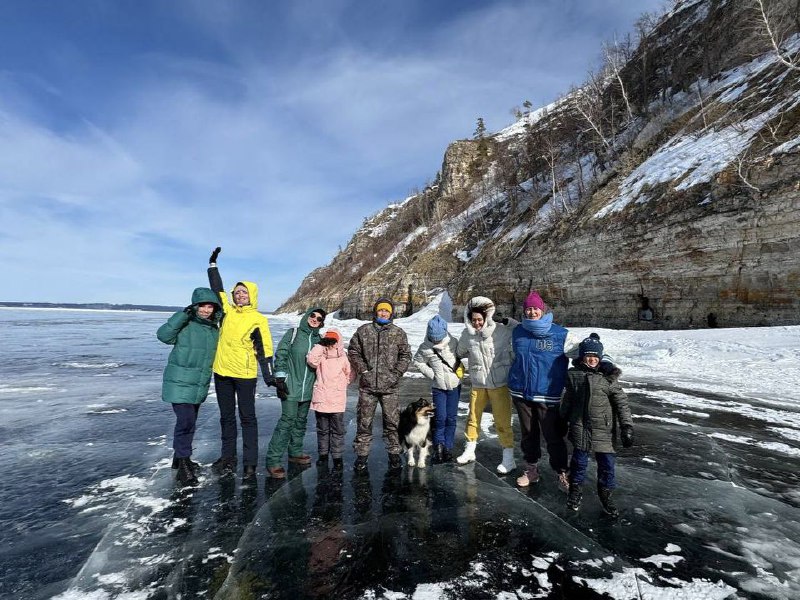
(277, 472)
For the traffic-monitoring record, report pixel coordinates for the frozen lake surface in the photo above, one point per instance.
(89, 509)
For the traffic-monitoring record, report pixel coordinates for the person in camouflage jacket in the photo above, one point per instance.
(379, 354)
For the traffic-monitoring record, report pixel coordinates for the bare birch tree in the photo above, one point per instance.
(777, 26)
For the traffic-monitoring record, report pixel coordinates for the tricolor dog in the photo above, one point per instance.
(414, 430)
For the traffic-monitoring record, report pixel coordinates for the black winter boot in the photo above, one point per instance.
(361, 463)
(338, 465)
(224, 465)
(607, 502)
(574, 497)
(249, 472)
(447, 456)
(438, 454)
(195, 466)
(185, 476)
(395, 464)
(322, 461)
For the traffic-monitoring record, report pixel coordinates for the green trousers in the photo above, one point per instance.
(290, 430)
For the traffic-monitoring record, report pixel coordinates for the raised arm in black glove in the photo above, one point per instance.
(501, 320)
(189, 310)
(326, 341)
(213, 258)
(282, 388)
(627, 436)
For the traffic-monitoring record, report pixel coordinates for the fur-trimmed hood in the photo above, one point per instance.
(486, 306)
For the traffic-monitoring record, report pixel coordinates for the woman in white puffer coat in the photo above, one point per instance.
(486, 344)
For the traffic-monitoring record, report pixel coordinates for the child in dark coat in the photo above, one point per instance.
(592, 402)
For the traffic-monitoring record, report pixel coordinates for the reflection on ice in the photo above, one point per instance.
(456, 530)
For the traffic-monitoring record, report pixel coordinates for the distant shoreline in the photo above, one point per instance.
(91, 306)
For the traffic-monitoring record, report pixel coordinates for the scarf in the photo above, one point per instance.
(539, 327)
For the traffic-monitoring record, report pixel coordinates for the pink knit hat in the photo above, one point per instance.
(534, 300)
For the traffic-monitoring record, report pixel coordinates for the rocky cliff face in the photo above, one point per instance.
(669, 185)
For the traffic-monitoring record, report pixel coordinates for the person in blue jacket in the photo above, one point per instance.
(536, 380)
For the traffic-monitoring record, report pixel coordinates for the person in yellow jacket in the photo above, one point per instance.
(245, 342)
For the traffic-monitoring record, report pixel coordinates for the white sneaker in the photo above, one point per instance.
(529, 475)
(508, 464)
(468, 455)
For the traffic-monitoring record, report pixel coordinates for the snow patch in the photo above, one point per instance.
(660, 560)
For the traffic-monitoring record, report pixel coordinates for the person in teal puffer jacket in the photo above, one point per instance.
(294, 382)
(194, 333)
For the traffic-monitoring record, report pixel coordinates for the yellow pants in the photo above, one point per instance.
(500, 400)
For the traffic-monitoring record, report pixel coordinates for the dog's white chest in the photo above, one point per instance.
(419, 433)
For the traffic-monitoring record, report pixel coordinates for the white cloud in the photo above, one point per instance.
(274, 145)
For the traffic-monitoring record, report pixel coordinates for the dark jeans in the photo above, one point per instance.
(390, 406)
(605, 468)
(444, 426)
(534, 416)
(230, 392)
(185, 420)
(330, 434)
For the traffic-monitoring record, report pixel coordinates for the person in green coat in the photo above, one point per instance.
(294, 381)
(193, 332)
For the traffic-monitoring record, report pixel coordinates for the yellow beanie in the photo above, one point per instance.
(383, 306)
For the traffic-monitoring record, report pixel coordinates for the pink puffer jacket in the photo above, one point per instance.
(333, 376)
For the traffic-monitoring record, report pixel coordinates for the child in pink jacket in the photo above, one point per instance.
(330, 360)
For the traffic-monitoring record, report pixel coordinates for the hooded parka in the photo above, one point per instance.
(333, 376)
(188, 371)
(592, 403)
(236, 354)
(488, 350)
(290, 359)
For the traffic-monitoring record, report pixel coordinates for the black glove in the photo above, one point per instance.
(189, 310)
(627, 436)
(266, 368)
(214, 255)
(282, 388)
(502, 320)
(327, 341)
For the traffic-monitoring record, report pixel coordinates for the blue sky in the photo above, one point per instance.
(136, 135)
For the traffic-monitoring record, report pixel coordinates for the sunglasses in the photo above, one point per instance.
(316, 317)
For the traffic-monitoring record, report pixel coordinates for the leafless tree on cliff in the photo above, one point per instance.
(617, 54)
(779, 19)
(507, 175)
(588, 102)
(644, 26)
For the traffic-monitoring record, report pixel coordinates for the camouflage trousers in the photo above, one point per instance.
(390, 407)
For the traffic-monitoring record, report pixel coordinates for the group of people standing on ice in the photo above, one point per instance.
(527, 363)
(523, 363)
